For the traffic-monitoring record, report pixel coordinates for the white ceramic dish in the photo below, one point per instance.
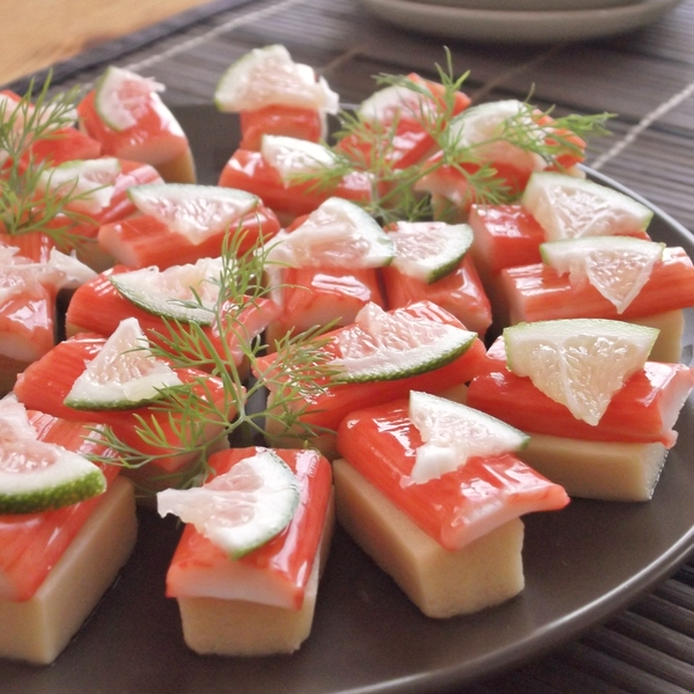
(532, 5)
(517, 26)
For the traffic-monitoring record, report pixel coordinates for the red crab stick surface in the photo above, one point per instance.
(460, 292)
(45, 384)
(278, 119)
(98, 307)
(32, 543)
(455, 508)
(143, 240)
(644, 410)
(62, 144)
(538, 292)
(327, 407)
(274, 573)
(250, 171)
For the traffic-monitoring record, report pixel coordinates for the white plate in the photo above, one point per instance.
(518, 26)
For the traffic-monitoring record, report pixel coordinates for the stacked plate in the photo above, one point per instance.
(520, 21)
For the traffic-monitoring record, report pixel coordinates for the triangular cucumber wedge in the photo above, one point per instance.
(617, 266)
(579, 363)
(292, 156)
(36, 475)
(89, 183)
(428, 251)
(383, 346)
(123, 375)
(267, 76)
(192, 210)
(242, 509)
(338, 233)
(452, 433)
(568, 207)
(120, 94)
(186, 293)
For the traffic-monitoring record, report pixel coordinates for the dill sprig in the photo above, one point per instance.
(28, 203)
(369, 146)
(202, 416)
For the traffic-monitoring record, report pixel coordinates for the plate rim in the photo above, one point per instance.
(513, 26)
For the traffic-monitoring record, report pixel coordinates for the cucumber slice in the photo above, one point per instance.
(120, 96)
(88, 182)
(239, 510)
(568, 207)
(580, 362)
(123, 375)
(387, 104)
(383, 346)
(17, 273)
(194, 211)
(482, 127)
(292, 156)
(268, 76)
(428, 251)
(336, 234)
(186, 293)
(453, 433)
(36, 475)
(617, 266)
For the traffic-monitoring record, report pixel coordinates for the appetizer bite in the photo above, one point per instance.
(28, 308)
(398, 125)
(164, 302)
(500, 143)
(599, 415)
(125, 113)
(246, 570)
(616, 277)
(273, 95)
(553, 207)
(433, 492)
(180, 223)
(293, 177)
(91, 193)
(156, 412)
(67, 526)
(324, 269)
(380, 357)
(431, 262)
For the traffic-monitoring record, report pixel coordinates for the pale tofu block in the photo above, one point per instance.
(609, 471)
(180, 169)
(668, 346)
(442, 583)
(37, 630)
(242, 628)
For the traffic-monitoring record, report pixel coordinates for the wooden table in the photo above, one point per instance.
(645, 77)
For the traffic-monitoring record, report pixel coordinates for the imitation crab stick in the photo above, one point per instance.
(393, 343)
(451, 538)
(99, 307)
(56, 564)
(251, 171)
(46, 383)
(126, 115)
(276, 573)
